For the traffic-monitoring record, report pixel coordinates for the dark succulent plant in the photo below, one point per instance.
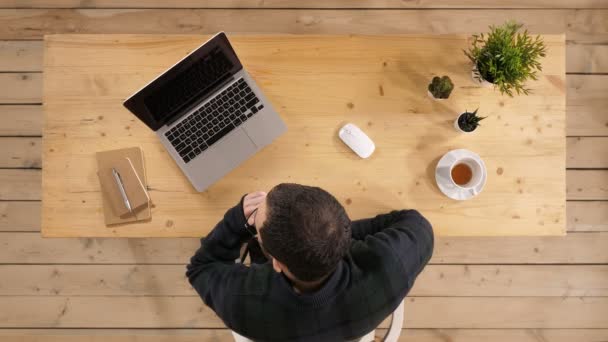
(468, 121)
(441, 87)
(507, 57)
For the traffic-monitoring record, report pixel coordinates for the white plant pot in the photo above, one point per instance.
(428, 92)
(457, 127)
(479, 80)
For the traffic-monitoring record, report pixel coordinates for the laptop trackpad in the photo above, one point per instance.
(228, 153)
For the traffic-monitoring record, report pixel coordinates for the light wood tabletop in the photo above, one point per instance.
(317, 84)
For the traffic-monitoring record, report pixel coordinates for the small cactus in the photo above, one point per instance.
(468, 122)
(441, 87)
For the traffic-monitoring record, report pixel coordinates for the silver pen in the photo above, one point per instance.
(121, 187)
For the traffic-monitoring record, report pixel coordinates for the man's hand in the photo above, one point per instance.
(251, 203)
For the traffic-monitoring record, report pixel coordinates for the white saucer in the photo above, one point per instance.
(445, 184)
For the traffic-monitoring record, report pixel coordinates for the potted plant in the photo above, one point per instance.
(467, 122)
(440, 88)
(506, 58)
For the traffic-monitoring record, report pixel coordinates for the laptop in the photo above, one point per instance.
(208, 112)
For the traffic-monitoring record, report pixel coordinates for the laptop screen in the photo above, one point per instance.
(185, 84)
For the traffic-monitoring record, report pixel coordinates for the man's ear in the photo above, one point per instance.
(278, 267)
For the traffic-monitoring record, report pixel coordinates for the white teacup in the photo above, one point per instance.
(476, 174)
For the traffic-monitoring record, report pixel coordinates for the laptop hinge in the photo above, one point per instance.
(178, 116)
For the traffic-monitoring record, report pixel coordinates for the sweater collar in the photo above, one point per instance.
(336, 282)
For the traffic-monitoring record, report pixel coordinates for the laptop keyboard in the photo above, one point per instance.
(226, 111)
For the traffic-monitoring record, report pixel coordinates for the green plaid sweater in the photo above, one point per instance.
(386, 255)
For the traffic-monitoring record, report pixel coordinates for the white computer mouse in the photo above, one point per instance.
(358, 141)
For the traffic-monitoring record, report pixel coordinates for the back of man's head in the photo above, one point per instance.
(306, 229)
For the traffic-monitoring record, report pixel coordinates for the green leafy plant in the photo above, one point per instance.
(507, 57)
(441, 87)
(469, 121)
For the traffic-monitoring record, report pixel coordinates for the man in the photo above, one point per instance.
(329, 279)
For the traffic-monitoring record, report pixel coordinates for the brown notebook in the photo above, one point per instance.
(129, 164)
(131, 183)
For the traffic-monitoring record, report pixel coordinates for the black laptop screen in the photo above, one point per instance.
(185, 84)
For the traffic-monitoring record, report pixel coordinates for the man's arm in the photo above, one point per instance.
(406, 234)
(212, 271)
(364, 227)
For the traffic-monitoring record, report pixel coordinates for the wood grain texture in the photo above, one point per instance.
(22, 88)
(587, 59)
(582, 216)
(580, 26)
(30, 248)
(20, 153)
(587, 215)
(27, 56)
(20, 56)
(84, 85)
(20, 184)
(501, 335)
(587, 103)
(141, 312)
(19, 216)
(505, 312)
(435, 280)
(21, 120)
(118, 335)
(219, 335)
(329, 4)
(512, 281)
(572, 249)
(587, 184)
(186, 312)
(587, 152)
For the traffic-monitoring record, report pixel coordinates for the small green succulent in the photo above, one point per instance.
(441, 87)
(468, 121)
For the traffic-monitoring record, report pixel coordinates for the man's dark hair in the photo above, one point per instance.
(306, 229)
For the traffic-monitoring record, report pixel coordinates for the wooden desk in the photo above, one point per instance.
(317, 83)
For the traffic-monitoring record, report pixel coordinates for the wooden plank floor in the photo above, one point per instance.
(551, 289)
